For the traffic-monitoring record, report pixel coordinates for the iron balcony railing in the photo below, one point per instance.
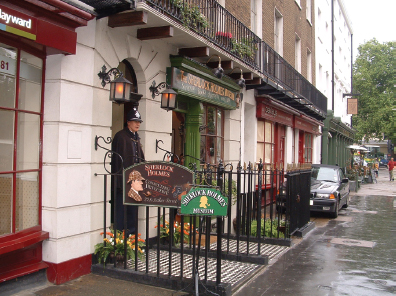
(282, 72)
(212, 21)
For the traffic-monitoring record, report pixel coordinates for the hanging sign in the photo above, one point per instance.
(156, 183)
(204, 201)
(352, 106)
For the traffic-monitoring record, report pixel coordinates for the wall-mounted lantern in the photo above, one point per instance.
(219, 71)
(120, 88)
(240, 81)
(168, 96)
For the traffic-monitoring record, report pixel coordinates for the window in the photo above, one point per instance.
(308, 148)
(253, 15)
(278, 33)
(308, 11)
(297, 51)
(265, 143)
(212, 135)
(309, 66)
(20, 139)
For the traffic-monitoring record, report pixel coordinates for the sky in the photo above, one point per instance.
(371, 18)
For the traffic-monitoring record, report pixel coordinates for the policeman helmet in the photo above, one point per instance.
(134, 115)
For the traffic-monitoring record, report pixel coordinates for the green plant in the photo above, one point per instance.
(244, 47)
(179, 231)
(269, 228)
(190, 15)
(115, 245)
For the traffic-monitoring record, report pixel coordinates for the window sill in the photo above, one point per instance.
(24, 241)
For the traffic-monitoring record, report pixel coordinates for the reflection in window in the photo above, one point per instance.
(212, 135)
(19, 172)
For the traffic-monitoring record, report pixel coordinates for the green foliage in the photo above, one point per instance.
(374, 77)
(269, 228)
(190, 15)
(104, 249)
(244, 47)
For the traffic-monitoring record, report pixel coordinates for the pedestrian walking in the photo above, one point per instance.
(126, 143)
(376, 166)
(391, 165)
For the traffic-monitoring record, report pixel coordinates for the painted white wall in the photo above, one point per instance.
(342, 55)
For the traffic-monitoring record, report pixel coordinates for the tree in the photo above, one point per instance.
(374, 78)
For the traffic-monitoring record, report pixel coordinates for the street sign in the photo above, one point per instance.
(204, 201)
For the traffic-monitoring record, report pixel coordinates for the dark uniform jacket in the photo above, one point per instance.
(128, 146)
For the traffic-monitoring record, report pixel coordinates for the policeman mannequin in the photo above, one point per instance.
(126, 143)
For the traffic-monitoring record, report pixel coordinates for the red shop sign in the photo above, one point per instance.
(274, 114)
(306, 126)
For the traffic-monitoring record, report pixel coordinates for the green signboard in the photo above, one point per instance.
(191, 85)
(204, 201)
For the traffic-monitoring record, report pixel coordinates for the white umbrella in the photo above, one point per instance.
(356, 147)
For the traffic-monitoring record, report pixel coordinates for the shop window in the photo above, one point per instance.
(212, 135)
(308, 148)
(265, 143)
(20, 134)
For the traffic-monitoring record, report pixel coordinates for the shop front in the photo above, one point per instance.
(204, 102)
(28, 34)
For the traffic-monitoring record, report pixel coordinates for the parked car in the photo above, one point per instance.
(383, 162)
(329, 189)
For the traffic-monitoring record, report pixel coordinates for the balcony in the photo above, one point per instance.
(200, 28)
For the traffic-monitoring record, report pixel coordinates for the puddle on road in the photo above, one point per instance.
(352, 242)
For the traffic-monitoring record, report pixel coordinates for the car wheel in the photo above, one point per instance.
(335, 213)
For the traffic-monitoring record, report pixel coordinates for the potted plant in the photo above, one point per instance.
(113, 246)
(224, 38)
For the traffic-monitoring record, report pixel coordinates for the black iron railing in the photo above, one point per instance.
(283, 73)
(209, 19)
(212, 21)
(257, 216)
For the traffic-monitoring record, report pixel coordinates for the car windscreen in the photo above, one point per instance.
(324, 174)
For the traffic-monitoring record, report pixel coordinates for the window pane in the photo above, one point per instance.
(260, 152)
(268, 132)
(219, 130)
(268, 153)
(6, 140)
(27, 201)
(30, 82)
(7, 75)
(218, 150)
(260, 131)
(211, 150)
(211, 120)
(28, 141)
(5, 203)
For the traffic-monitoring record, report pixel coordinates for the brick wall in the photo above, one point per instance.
(240, 9)
(294, 22)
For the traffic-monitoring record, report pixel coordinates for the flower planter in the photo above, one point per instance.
(352, 186)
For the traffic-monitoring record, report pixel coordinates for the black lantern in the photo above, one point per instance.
(168, 96)
(241, 81)
(219, 71)
(120, 88)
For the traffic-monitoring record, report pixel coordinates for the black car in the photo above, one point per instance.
(329, 189)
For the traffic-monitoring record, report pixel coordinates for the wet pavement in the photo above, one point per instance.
(354, 254)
